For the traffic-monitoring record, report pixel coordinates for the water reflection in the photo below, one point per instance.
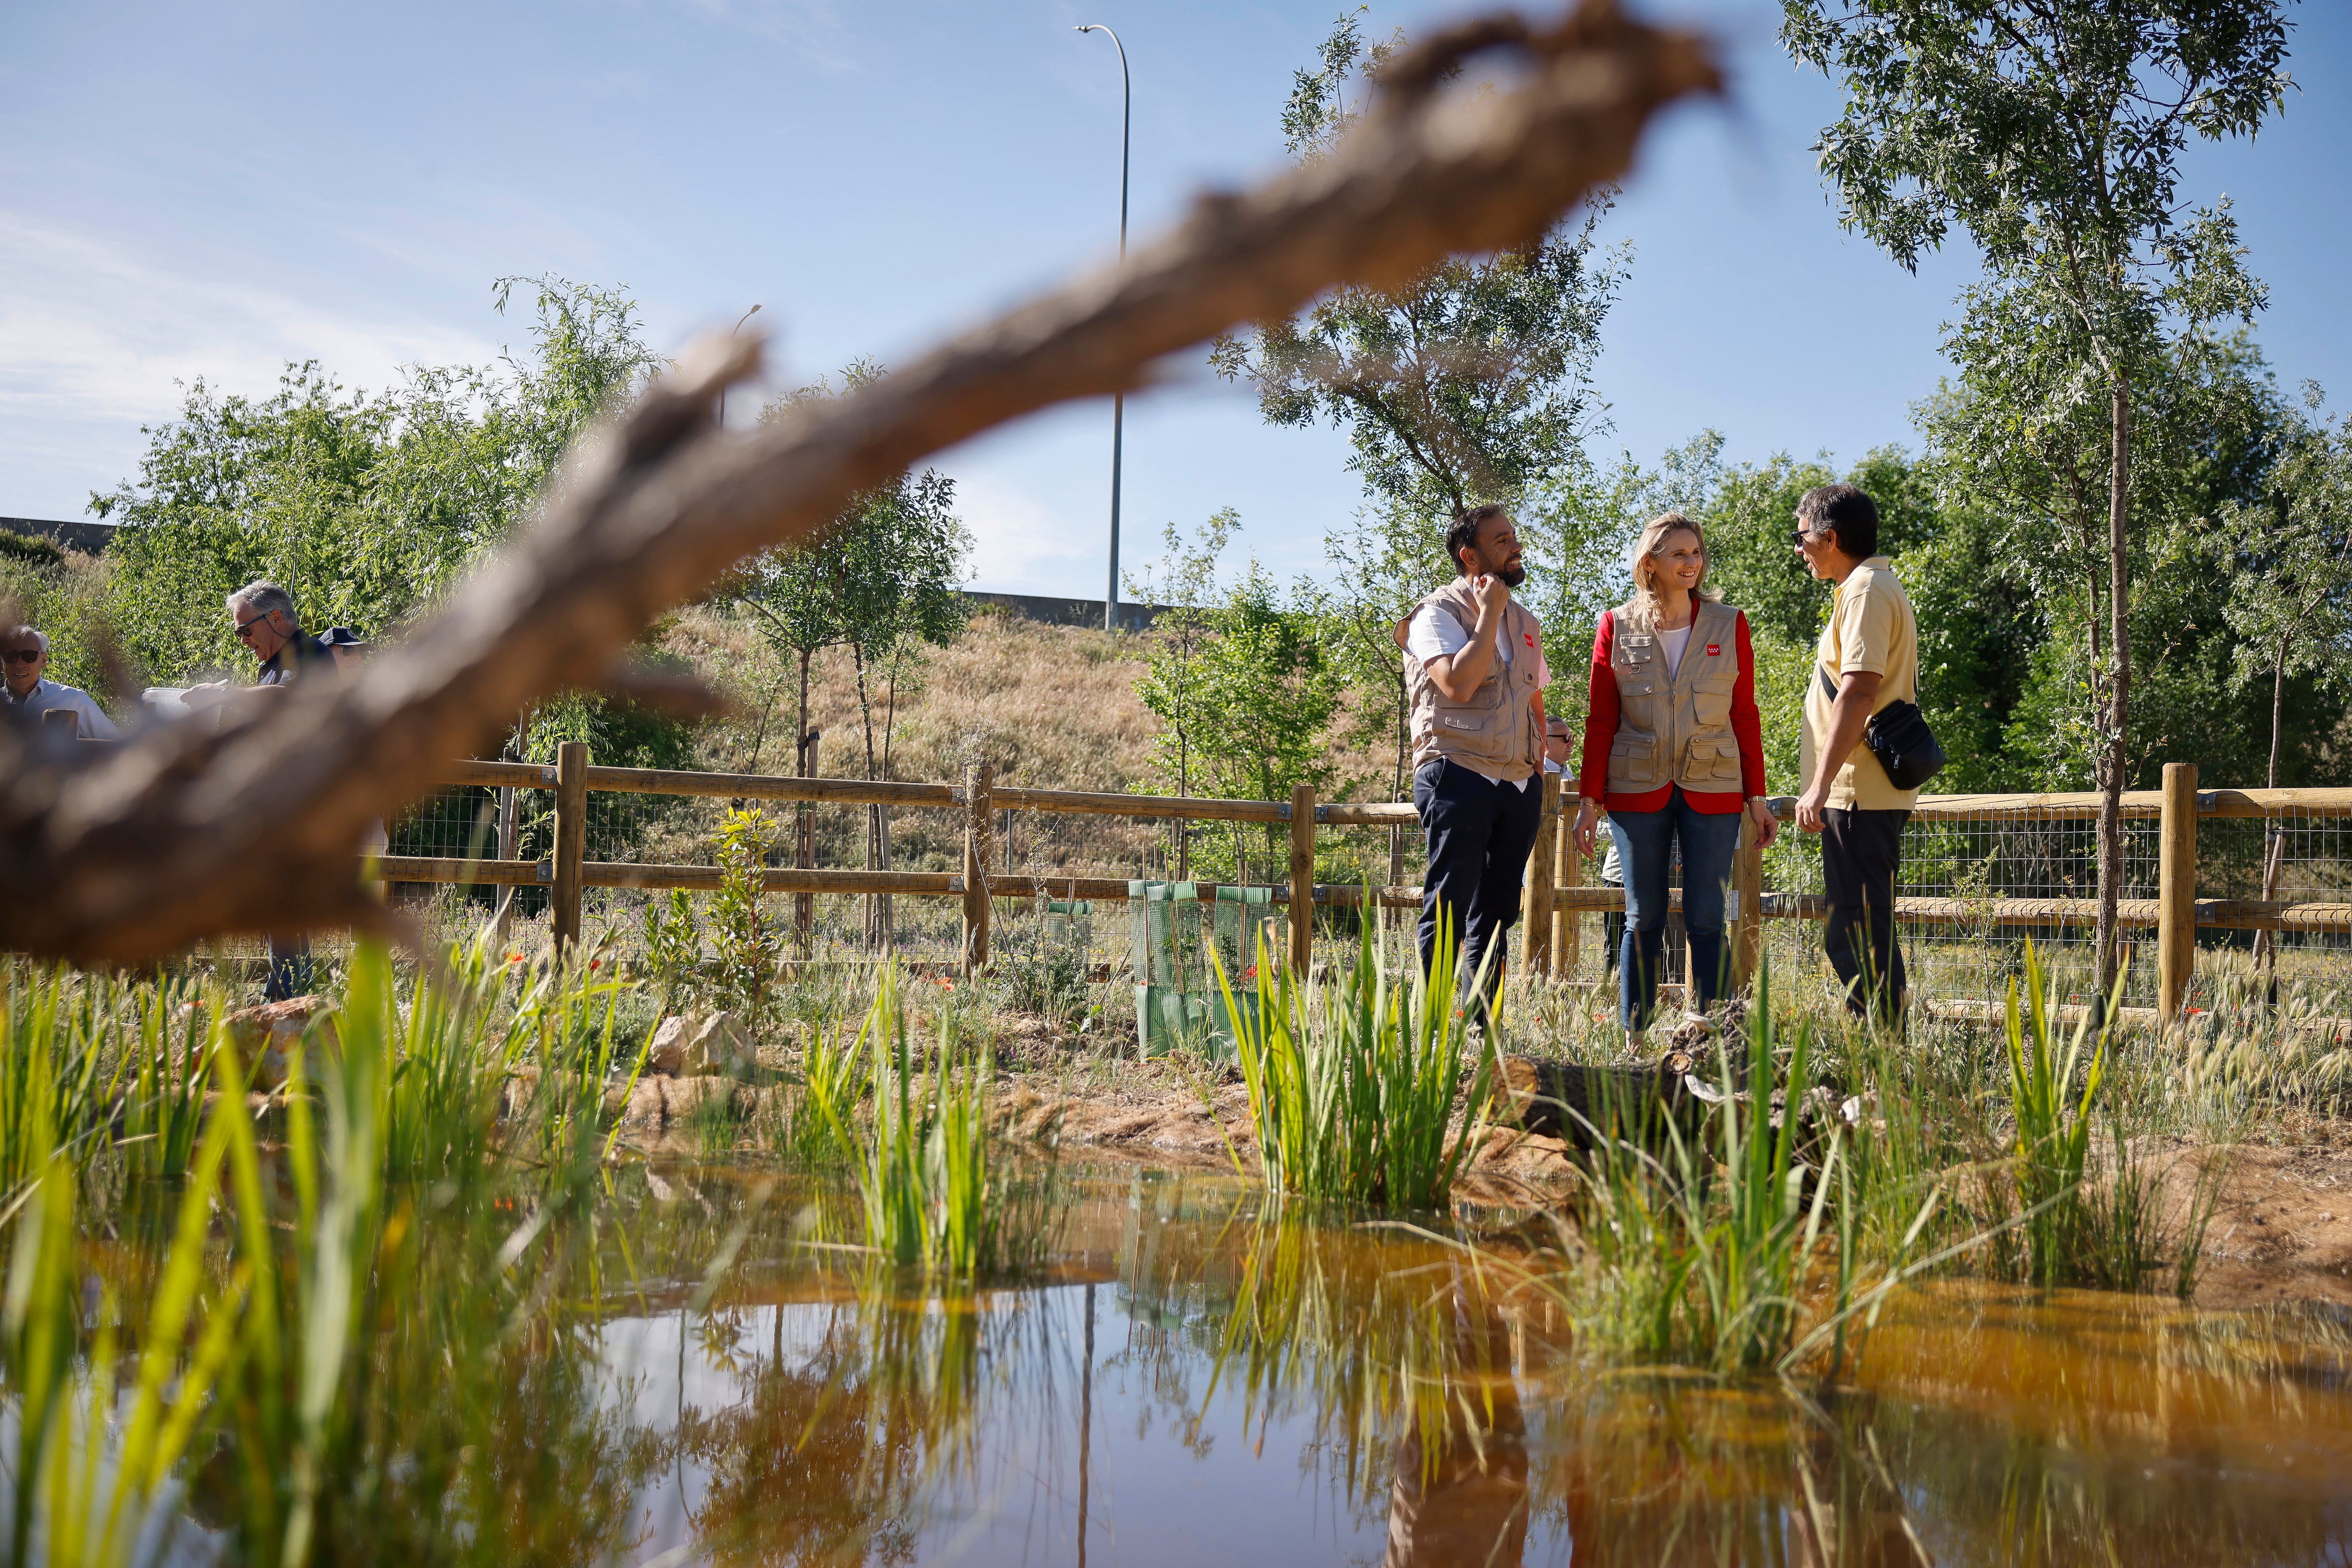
(1207, 1378)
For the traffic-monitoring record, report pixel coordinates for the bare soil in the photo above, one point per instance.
(2282, 1225)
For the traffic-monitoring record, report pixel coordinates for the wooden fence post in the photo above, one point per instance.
(2176, 891)
(1538, 901)
(570, 837)
(1302, 879)
(976, 782)
(804, 846)
(1568, 941)
(1748, 886)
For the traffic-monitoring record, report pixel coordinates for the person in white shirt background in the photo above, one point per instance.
(26, 653)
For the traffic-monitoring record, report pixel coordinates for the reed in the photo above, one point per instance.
(932, 1194)
(1353, 1083)
(324, 1367)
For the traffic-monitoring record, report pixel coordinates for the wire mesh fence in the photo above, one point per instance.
(1994, 878)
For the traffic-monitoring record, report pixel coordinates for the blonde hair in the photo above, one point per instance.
(1641, 609)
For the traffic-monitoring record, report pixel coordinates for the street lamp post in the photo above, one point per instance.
(722, 391)
(1118, 399)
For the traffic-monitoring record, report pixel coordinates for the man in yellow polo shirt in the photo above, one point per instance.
(1868, 657)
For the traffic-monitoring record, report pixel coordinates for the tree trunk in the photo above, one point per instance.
(2274, 840)
(2115, 721)
(889, 729)
(803, 764)
(874, 941)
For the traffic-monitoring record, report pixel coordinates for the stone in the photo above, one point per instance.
(265, 1035)
(696, 1045)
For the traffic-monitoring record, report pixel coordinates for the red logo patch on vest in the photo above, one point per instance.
(1530, 638)
(1714, 648)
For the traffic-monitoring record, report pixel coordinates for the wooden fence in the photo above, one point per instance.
(1554, 896)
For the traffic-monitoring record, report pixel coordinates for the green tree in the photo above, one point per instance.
(1256, 689)
(903, 558)
(1471, 384)
(366, 506)
(2291, 602)
(1184, 580)
(2207, 429)
(2291, 605)
(2052, 133)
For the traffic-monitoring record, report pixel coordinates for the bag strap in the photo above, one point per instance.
(1829, 687)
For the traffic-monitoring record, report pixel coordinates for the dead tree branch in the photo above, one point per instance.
(181, 835)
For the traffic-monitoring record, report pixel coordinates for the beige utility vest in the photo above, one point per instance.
(1494, 731)
(1677, 729)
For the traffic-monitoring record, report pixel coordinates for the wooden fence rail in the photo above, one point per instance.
(1554, 896)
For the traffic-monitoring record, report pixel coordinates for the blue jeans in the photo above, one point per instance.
(1645, 845)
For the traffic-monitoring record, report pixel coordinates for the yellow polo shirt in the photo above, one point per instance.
(1872, 629)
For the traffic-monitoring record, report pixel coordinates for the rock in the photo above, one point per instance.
(690, 1045)
(264, 1036)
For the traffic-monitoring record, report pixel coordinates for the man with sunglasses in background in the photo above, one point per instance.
(25, 653)
(262, 615)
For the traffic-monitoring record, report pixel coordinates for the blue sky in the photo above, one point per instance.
(211, 190)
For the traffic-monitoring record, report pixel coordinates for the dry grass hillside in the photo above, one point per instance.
(1051, 707)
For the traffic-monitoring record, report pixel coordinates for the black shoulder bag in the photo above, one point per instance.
(1899, 738)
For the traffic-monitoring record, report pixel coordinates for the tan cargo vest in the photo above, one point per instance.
(1495, 731)
(1678, 730)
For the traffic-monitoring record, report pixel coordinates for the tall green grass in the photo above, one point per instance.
(1353, 1083)
(1708, 1245)
(324, 1355)
(932, 1190)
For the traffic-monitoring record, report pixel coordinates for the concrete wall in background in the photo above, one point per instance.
(87, 537)
(93, 537)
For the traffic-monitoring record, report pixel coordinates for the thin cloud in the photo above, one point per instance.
(96, 336)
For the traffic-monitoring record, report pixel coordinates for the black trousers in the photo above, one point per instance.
(1860, 850)
(1480, 834)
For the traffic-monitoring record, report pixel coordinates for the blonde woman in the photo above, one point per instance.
(1674, 749)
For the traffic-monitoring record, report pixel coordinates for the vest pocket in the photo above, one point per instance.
(1707, 761)
(1634, 760)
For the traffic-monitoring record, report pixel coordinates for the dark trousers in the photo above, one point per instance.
(1480, 834)
(290, 968)
(1860, 850)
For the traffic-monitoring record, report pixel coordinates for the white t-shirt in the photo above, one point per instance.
(1435, 634)
(1674, 642)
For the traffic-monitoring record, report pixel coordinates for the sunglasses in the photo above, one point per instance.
(1799, 536)
(22, 655)
(244, 627)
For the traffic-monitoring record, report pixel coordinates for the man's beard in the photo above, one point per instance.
(1513, 576)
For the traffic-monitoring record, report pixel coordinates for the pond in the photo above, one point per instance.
(1204, 1378)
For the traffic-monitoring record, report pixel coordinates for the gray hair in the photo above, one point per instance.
(264, 597)
(34, 631)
